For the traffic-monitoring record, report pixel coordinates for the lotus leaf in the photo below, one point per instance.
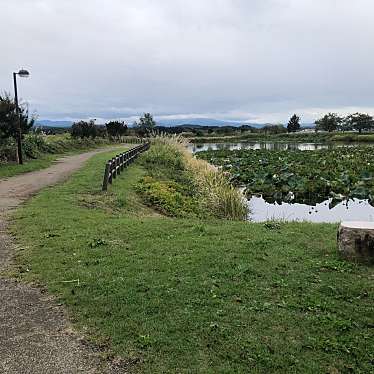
(311, 176)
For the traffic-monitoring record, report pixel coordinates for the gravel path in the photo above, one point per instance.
(35, 335)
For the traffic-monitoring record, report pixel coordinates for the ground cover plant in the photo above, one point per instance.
(195, 296)
(301, 176)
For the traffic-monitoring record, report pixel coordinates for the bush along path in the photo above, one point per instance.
(35, 336)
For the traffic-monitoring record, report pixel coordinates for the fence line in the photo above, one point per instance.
(132, 140)
(116, 165)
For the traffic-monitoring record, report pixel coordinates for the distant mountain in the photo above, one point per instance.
(202, 122)
(51, 123)
(162, 122)
(193, 122)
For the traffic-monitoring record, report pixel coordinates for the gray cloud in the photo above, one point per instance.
(258, 60)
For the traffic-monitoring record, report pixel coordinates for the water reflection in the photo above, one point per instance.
(352, 210)
(271, 146)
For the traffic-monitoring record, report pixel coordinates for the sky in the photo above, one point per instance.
(240, 60)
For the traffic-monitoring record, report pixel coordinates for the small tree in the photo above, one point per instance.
(8, 118)
(116, 129)
(84, 129)
(293, 124)
(359, 122)
(145, 125)
(329, 122)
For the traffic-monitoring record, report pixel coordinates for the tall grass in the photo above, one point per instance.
(212, 187)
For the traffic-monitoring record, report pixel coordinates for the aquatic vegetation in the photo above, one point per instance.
(300, 176)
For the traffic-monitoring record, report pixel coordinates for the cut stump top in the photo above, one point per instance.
(358, 225)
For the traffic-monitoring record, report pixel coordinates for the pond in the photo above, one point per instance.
(271, 146)
(352, 210)
(300, 181)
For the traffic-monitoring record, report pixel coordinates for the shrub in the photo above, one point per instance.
(34, 145)
(8, 118)
(8, 150)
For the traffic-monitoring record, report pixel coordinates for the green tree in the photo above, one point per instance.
(358, 122)
(293, 124)
(145, 125)
(84, 129)
(116, 129)
(8, 118)
(329, 122)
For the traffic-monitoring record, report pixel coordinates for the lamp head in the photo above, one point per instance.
(23, 73)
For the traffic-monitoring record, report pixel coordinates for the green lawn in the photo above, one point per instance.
(177, 295)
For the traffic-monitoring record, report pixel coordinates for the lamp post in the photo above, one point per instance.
(23, 74)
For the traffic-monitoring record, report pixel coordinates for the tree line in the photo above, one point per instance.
(333, 122)
(353, 122)
(80, 129)
(146, 125)
(113, 129)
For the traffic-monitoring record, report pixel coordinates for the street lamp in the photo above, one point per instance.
(23, 74)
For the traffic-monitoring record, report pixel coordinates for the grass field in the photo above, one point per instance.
(174, 295)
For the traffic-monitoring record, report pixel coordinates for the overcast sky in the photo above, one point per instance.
(244, 60)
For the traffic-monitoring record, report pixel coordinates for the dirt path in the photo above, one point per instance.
(35, 336)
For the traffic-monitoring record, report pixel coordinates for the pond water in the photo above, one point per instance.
(261, 211)
(352, 210)
(271, 146)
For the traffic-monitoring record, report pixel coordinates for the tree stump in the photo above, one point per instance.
(356, 241)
